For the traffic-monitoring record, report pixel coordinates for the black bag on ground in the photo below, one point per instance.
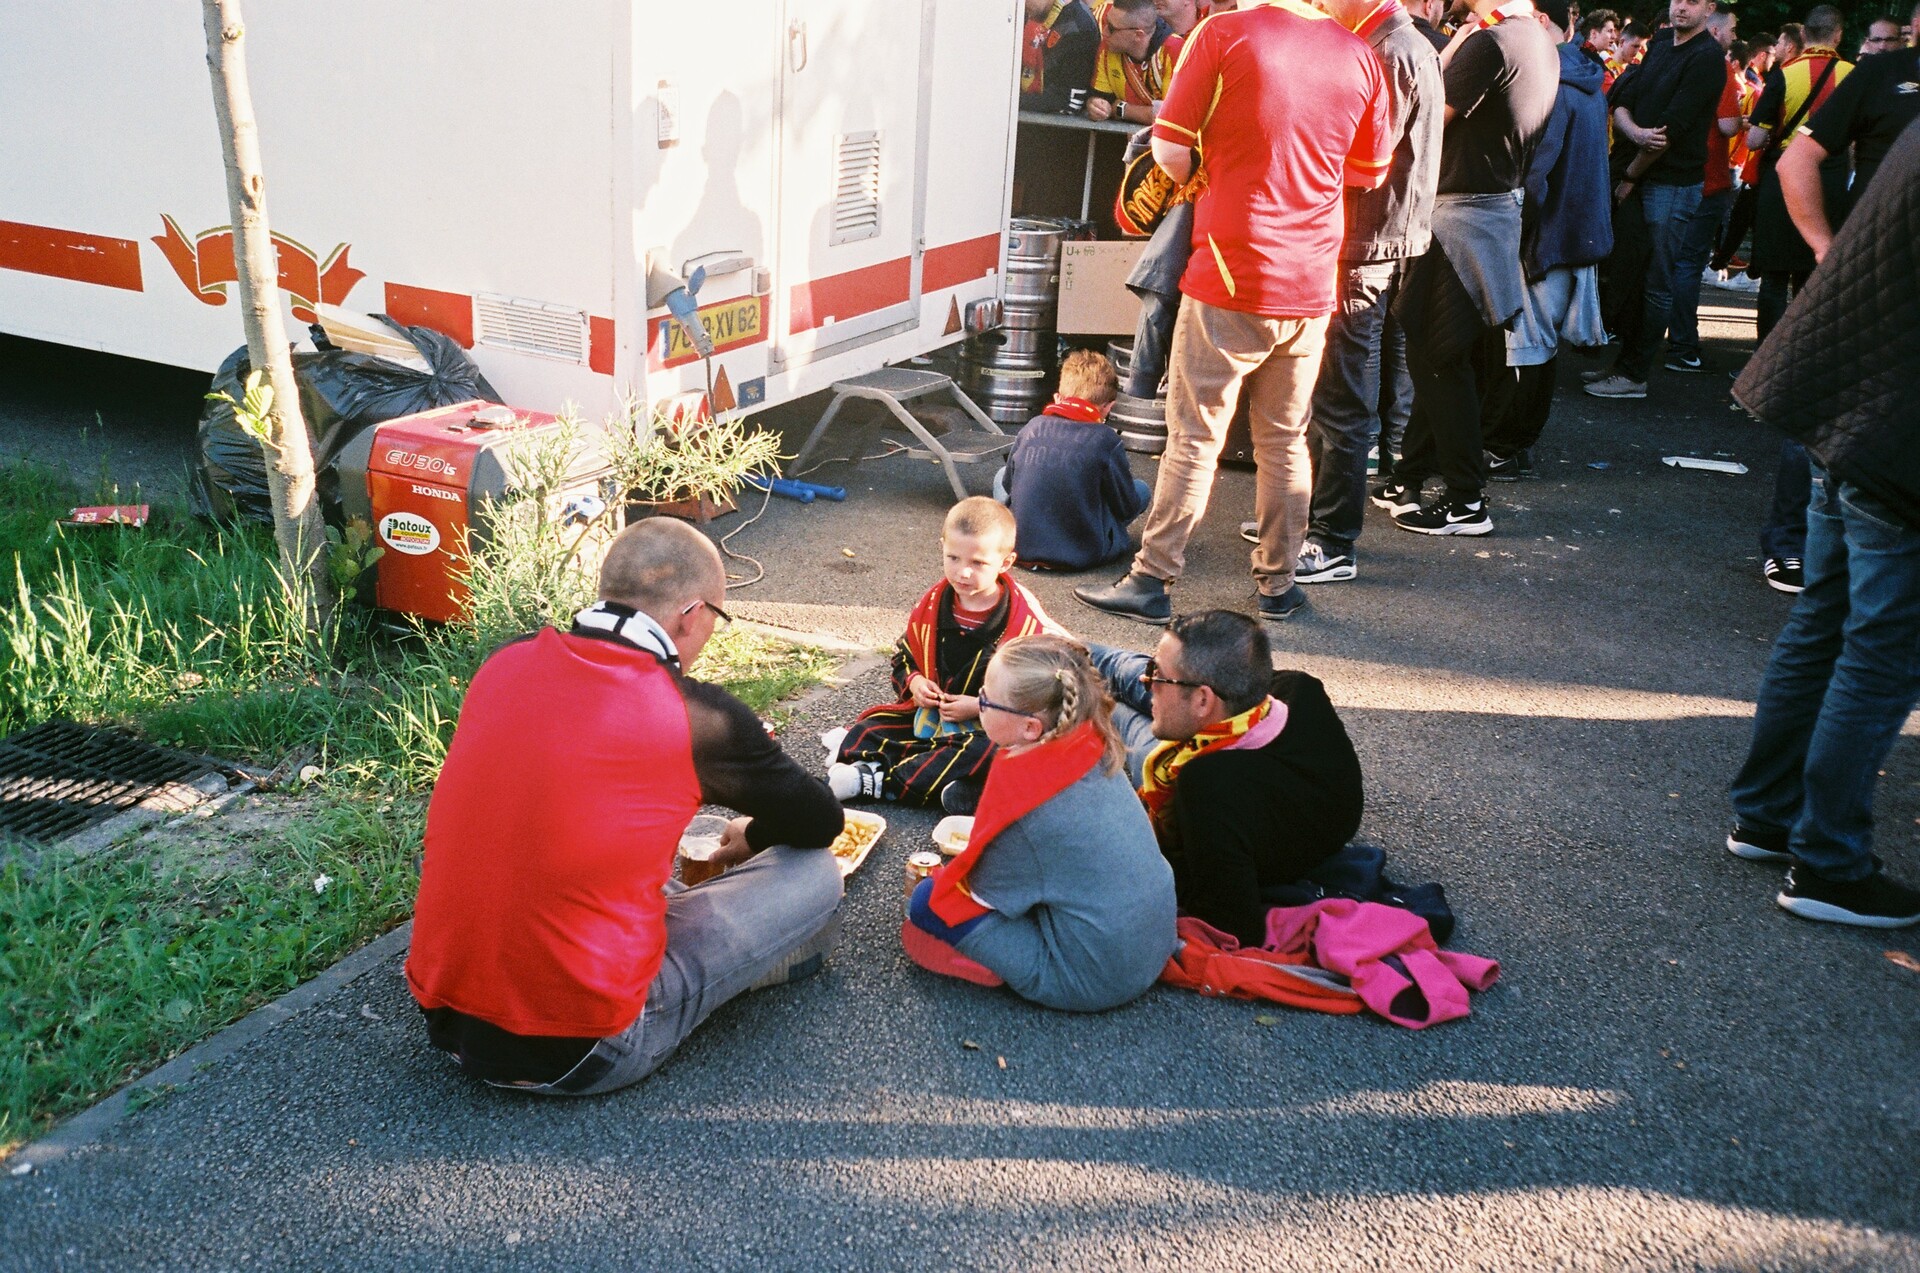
(341, 393)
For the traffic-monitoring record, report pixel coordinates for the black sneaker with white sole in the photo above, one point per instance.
(1316, 565)
(1875, 902)
(1688, 362)
(1784, 574)
(1501, 470)
(1396, 497)
(1284, 606)
(1758, 844)
(1449, 517)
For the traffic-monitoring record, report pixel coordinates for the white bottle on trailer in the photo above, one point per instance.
(515, 176)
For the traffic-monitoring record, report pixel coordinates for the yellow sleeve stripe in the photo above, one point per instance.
(1368, 165)
(1164, 122)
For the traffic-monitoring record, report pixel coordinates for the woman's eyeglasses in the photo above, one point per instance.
(987, 704)
(725, 619)
(1152, 677)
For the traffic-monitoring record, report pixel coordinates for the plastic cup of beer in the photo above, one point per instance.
(698, 843)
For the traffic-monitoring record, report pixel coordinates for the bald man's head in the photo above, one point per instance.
(658, 565)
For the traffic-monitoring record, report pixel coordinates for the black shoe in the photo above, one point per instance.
(1499, 470)
(1688, 362)
(1758, 844)
(1525, 460)
(1139, 597)
(1284, 606)
(1784, 574)
(1448, 517)
(1316, 565)
(961, 796)
(1875, 902)
(1396, 497)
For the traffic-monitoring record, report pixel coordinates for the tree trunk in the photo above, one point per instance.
(297, 525)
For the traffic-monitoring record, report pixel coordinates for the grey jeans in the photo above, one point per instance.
(1346, 404)
(768, 921)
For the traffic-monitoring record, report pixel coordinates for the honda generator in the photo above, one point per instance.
(427, 484)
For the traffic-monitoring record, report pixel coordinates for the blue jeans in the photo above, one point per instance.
(769, 920)
(1844, 674)
(1132, 702)
(1346, 405)
(1697, 241)
(1668, 210)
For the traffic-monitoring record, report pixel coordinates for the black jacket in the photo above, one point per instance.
(1837, 373)
(1248, 820)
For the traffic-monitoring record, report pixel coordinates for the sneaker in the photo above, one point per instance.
(1396, 498)
(1448, 517)
(1139, 597)
(1688, 362)
(1784, 574)
(1758, 844)
(1591, 374)
(961, 796)
(1499, 470)
(862, 780)
(1285, 606)
(1525, 460)
(1373, 462)
(1317, 565)
(1875, 902)
(1250, 531)
(1617, 386)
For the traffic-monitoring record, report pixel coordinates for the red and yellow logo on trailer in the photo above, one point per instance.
(205, 264)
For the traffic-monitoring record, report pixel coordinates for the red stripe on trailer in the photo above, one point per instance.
(69, 254)
(600, 345)
(849, 295)
(952, 264)
(449, 313)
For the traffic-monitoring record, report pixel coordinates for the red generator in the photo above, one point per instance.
(424, 482)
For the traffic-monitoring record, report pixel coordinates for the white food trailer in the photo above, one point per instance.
(530, 180)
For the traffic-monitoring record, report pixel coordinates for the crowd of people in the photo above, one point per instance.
(1386, 222)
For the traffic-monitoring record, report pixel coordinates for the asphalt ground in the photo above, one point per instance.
(1672, 1073)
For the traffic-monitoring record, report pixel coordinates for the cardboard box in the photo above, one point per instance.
(1094, 300)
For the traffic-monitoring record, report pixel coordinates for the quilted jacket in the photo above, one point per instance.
(1838, 372)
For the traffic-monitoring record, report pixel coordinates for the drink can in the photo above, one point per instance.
(920, 865)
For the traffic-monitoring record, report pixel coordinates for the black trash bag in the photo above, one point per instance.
(341, 394)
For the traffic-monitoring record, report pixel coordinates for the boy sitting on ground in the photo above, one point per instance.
(928, 748)
(1068, 480)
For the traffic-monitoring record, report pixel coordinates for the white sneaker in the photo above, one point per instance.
(832, 739)
(1617, 386)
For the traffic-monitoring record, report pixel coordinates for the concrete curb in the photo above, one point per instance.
(86, 1129)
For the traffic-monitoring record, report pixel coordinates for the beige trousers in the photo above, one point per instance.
(1215, 353)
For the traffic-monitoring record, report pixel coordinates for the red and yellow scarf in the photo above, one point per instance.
(1164, 763)
(1016, 785)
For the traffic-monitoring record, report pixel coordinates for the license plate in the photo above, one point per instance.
(731, 324)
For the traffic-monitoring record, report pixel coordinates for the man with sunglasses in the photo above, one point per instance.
(1135, 65)
(1248, 774)
(551, 951)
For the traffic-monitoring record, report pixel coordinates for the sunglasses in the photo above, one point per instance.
(1152, 677)
(725, 619)
(987, 704)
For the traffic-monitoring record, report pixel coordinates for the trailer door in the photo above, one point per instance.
(852, 124)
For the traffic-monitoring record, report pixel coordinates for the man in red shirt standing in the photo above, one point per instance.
(1286, 107)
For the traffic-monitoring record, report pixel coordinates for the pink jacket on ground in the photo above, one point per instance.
(1421, 986)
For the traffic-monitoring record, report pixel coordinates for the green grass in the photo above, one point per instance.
(183, 633)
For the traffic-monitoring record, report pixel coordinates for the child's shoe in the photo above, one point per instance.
(961, 797)
(832, 739)
(859, 781)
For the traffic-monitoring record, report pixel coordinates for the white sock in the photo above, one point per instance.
(844, 782)
(832, 739)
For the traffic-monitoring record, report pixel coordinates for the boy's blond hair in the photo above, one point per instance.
(979, 516)
(1090, 376)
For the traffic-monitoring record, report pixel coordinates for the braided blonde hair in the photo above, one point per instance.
(1053, 678)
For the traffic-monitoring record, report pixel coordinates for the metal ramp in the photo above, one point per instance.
(892, 388)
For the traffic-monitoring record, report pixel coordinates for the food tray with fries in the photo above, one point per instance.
(862, 832)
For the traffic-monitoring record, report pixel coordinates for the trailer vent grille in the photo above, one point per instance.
(856, 196)
(531, 327)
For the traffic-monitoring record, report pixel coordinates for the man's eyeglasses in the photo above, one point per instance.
(725, 619)
(1152, 677)
(987, 704)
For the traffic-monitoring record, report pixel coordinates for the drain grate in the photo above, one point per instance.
(59, 778)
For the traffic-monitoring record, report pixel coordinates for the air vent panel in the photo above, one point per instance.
(531, 327)
(856, 195)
